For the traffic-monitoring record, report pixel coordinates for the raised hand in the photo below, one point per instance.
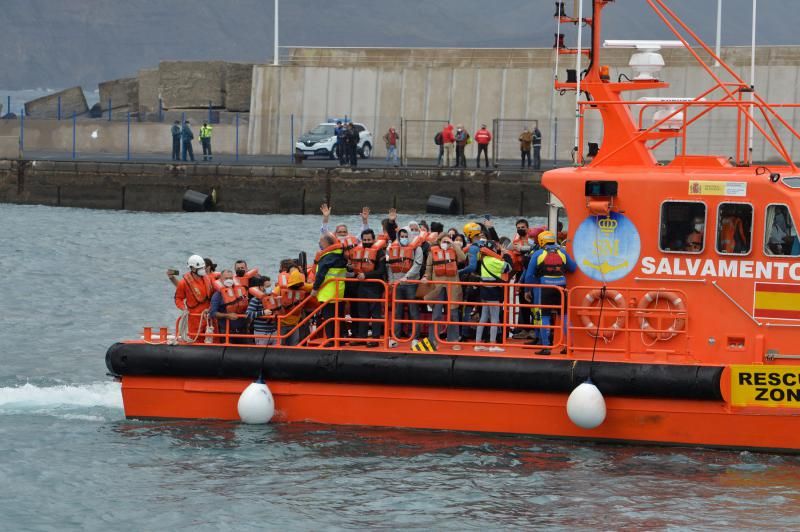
(365, 215)
(393, 214)
(325, 210)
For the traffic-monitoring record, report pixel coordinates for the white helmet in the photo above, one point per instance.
(196, 262)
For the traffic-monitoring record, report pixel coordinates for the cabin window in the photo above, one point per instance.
(683, 226)
(734, 228)
(562, 225)
(781, 233)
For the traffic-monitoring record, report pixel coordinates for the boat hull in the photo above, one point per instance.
(666, 421)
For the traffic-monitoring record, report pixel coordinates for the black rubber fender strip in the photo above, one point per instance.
(669, 381)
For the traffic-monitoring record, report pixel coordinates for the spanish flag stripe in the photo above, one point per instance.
(778, 287)
(783, 314)
(777, 301)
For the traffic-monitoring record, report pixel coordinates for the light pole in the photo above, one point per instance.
(719, 30)
(275, 47)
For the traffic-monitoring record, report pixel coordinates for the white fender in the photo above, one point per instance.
(256, 405)
(586, 406)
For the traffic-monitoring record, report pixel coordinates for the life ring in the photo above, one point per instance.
(612, 296)
(678, 324)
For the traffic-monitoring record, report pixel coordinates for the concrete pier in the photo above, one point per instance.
(265, 189)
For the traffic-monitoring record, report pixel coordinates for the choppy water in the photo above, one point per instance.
(77, 280)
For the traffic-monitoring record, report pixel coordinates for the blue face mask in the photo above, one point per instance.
(403, 241)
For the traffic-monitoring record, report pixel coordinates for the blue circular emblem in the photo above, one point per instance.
(607, 247)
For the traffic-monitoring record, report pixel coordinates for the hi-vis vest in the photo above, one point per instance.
(205, 132)
(335, 289)
(444, 262)
(493, 267)
(235, 299)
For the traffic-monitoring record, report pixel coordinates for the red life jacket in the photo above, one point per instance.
(553, 264)
(400, 258)
(516, 260)
(269, 302)
(444, 261)
(235, 299)
(198, 291)
(363, 259)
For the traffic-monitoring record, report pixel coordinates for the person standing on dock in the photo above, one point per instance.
(537, 148)
(391, 139)
(483, 137)
(352, 137)
(461, 140)
(446, 148)
(187, 136)
(525, 141)
(205, 140)
(176, 141)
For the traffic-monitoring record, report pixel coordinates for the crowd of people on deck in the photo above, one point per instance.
(444, 284)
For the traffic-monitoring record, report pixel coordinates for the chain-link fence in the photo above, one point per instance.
(505, 139)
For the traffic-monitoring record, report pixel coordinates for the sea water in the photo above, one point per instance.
(75, 281)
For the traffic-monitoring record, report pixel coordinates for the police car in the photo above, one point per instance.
(322, 139)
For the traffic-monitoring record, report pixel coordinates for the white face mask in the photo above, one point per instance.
(201, 272)
(698, 228)
(413, 234)
(268, 290)
(227, 282)
(445, 245)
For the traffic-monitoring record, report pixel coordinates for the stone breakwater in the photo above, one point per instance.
(160, 187)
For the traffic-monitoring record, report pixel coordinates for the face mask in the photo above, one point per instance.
(227, 282)
(413, 234)
(267, 290)
(341, 238)
(445, 245)
(698, 228)
(482, 242)
(201, 272)
(403, 241)
(367, 244)
(522, 232)
(531, 242)
(240, 273)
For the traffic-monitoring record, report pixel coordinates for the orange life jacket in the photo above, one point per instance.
(444, 261)
(320, 253)
(283, 279)
(730, 228)
(516, 260)
(363, 259)
(400, 258)
(244, 280)
(235, 299)
(269, 302)
(198, 291)
(349, 243)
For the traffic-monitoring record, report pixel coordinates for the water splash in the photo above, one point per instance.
(58, 399)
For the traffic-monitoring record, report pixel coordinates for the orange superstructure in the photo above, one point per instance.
(684, 309)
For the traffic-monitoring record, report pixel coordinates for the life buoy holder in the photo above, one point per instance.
(650, 299)
(618, 303)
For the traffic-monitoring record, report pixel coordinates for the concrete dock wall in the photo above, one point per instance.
(259, 189)
(381, 86)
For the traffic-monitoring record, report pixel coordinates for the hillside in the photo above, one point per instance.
(52, 43)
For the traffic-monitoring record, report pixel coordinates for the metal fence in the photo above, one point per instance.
(417, 143)
(505, 139)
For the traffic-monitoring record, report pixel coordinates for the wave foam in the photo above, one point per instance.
(29, 396)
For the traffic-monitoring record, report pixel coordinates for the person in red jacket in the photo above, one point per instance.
(446, 147)
(483, 137)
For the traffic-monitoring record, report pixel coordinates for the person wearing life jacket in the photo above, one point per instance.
(476, 237)
(173, 275)
(495, 268)
(368, 262)
(330, 266)
(228, 307)
(732, 238)
(243, 274)
(404, 261)
(442, 267)
(549, 266)
(193, 293)
(520, 255)
(292, 291)
(261, 311)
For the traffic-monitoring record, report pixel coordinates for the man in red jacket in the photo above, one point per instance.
(483, 137)
(446, 148)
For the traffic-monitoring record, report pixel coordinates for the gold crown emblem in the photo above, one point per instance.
(607, 225)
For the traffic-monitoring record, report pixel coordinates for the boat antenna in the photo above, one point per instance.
(578, 83)
(553, 117)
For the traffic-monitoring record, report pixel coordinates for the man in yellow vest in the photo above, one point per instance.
(205, 140)
(331, 265)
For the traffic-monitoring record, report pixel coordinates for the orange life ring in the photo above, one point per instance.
(678, 324)
(612, 296)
